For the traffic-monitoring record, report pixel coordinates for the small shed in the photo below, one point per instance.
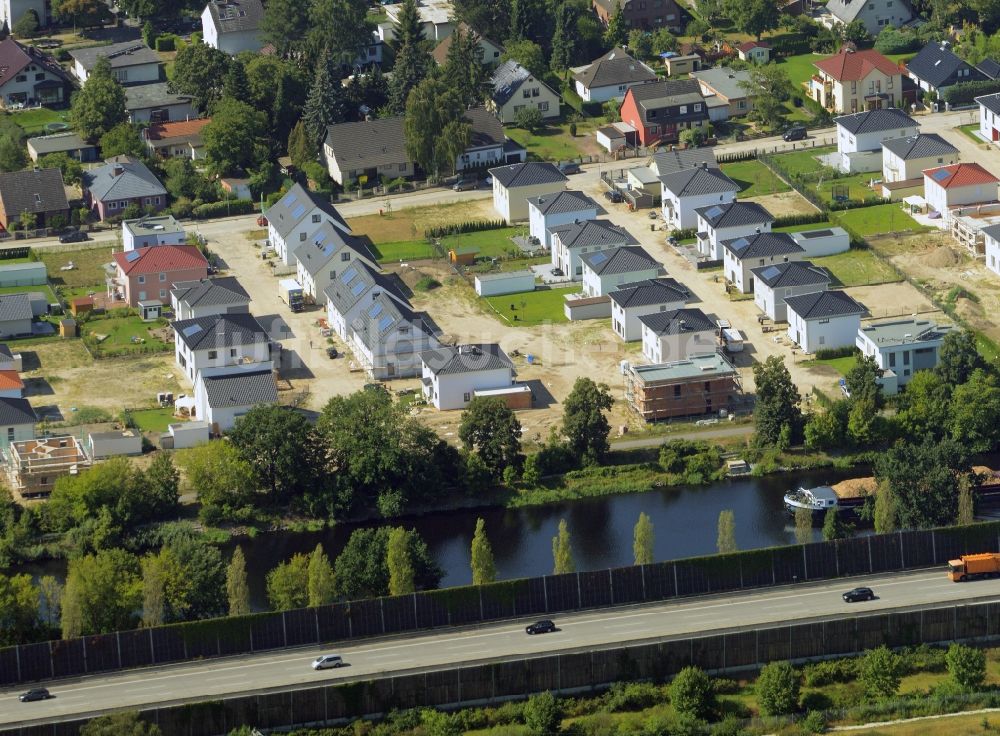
(67, 327)
(23, 274)
(102, 445)
(823, 242)
(513, 282)
(679, 64)
(188, 434)
(150, 310)
(463, 256)
(518, 396)
(81, 306)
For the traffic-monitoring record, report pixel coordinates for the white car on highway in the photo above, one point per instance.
(327, 661)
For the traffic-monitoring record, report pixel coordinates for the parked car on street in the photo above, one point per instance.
(569, 168)
(331, 352)
(613, 195)
(795, 133)
(465, 184)
(858, 594)
(38, 693)
(76, 236)
(541, 627)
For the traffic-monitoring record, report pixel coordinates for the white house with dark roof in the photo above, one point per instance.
(686, 190)
(936, 67)
(515, 88)
(515, 184)
(17, 421)
(488, 146)
(677, 335)
(631, 301)
(232, 26)
(452, 375)
(904, 159)
(874, 14)
(328, 252)
(387, 338)
(297, 215)
(903, 346)
(145, 232)
(772, 284)
(860, 136)
(132, 62)
(747, 252)
(355, 289)
(208, 297)
(611, 76)
(15, 315)
(220, 341)
(155, 103)
(573, 241)
(365, 151)
(606, 270)
(662, 163)
(549, 211)
(989, 117)
(719, 222)
(992, 248)
(221, 398)
(823, 320)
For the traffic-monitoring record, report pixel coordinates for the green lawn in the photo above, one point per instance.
(754, 178)
(858, 267)
(33, 121)
(554, 143)
(857, 187)
(44, 289)
(89, 262)
(488, 243)
(803, 228)
(404, 250)
(970, 131)
(801, 162)
(123, 336)
(153, 420)
(800, 68)
(841, 365)
(532, 308)
(883, 218)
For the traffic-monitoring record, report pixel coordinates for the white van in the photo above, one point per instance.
(327, 661)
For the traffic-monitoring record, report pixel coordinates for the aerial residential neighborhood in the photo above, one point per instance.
(323, 323)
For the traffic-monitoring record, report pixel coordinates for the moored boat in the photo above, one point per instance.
(817, 500)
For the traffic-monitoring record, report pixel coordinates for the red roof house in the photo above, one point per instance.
(853, 81)
(148, 274)
(177, 138)
(958, 184)
(758, 52)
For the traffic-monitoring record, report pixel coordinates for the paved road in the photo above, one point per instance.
(289, 668)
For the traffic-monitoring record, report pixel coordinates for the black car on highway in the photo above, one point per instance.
(858, 594)
(39, 693)
(541, 627)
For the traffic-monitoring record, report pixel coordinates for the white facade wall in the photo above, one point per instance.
(993, 255)
(539, 224)
(895, 168)
(131, 241)
(193, 362)
(595, 284)
(849, 143)
(15, 433)
(569, 259)
(828, 245)
(189, 434)
(737, 270)
(989, 125)
(668, 348)
(136, 74)
(903, 360)
(183, 311)
(772, 301)
(209, 33)
(477, 158)
(603, 94)
(517, 282)
(625, 322)
(679, 212)
(512, 205)
(455, 390)
(340, 323)
(818, 334)
(711, 247)
(941, 199)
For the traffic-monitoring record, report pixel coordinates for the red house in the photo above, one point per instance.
(659, 111)
(148, 274)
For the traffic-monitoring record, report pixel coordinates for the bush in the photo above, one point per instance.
(427, 283)
(529, 118)
(809, 218)
(166, 42)
(472, 226)
(633, 696)
(725, 686)
(542, 714)
(777, 689)
(814, 722)
(966, 666)
(893, 41)
(964, 92)
(831, 353)
(830, 671)
(691, 693)
(222, 209)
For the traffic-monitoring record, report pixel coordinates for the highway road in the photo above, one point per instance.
(277, 670)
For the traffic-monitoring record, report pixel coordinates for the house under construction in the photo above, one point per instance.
(34, 465)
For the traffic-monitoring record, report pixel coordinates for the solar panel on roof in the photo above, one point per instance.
(384, 323)
(740, 243)
(358, 288)
(132, 255)
(940, 175)
(599, 258)
(299, 211)
(714, 212)
(349, 275)
(375, 310)
(289, 200)
(191, 330)
(770, 272)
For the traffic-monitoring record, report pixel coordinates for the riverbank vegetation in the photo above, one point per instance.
(879, 686)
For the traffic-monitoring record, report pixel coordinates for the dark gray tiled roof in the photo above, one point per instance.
(935, 65)
(845, 10)
(823, 304)
(487, 130)
(120, 55)
(875, 121)
(670, 161)
(357, 280)
(234, 16)
(507, 80)
(220, 331)
(668, 92)
(245, 388)
(762, 245)
(919, 146)
(325, 244)
(990, 102)
(219, 292)
(697, 181)
(15, 307)
(563, 202)
(58, 143)
(157, 94)
(586, 233)
(134, 181)
(527, 174)
(677, 321)
(627, 259)
(661, 290)
(735, 214)
(5, 351)
(993, 231)
(989, 68)
(295, 204)
(614, 68)
(466, 359)
(16, 411)
(793, 273)
(34, 190)
(368, 144)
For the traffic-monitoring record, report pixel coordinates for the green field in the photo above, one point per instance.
(531, 308)
(804, 161)
(841, 365)
(89, 262)
(857, 187)
(153, 420)
(754, 178)
(404, 250)
(123, 336)
(554, 143)
(858, 267)
(883, 218)
(488, 243)
(800, 68)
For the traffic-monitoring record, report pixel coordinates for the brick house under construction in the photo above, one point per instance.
(702, 384)
(35, 465)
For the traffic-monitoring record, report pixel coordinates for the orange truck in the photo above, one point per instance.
(970, 567)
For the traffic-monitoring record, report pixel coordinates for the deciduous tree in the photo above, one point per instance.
(340, 25)
(726, 542)
(966, 501)
(397, 558)
(880, 673)
(643, 540)
(280, 446)
(19, 612)
(803, 526)
(122, 139)
(975, 406)
(542, 714)
(777, 404)
(430, 109)
(99, 105)
(237, 590)
(585, 424)
(834, 527)
(691, 693)
(120, 724)
(288, 584)
(361, 569)
(777, 689)
(528, 54)
(13, 155)
(753, 17)
(322, 584)
(234, 139)
(285, 25)
(483, 567)
(490, 428)
(27, 25)
(562, 551)
(222, 479)
(966, 666)
(924, 481)
(769, 87)
(200, 71)
(103, 592)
